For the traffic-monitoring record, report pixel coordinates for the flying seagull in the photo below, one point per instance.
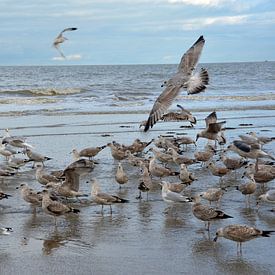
(184, 78)
(60, 39)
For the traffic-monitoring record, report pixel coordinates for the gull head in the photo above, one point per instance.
(6, 230)
(198, 136)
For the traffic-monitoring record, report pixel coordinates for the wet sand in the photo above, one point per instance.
(139, 237)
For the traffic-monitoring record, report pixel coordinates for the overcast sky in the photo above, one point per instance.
(135, 31)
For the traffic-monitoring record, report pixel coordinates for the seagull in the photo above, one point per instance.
(206, 213)
(89, 152)
(171, 196)
(181, 116)
(268, 197)
(104, 198)
(213, 129)
(55, 208)
(121, 177)
(252, 151)
(184, 78)
(60, 39)
(35, 156)
(5, 230)
(241, 233)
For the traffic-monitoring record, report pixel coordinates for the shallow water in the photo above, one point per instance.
(139, 237)
(130, 88)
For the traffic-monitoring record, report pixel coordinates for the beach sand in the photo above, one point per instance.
(138, 238)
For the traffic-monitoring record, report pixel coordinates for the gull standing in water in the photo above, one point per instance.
(241, 233)
(206, 213)
(55, 208)
(184, 78)
(60, 39)
(104, 198)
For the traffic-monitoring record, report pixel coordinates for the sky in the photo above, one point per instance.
(135, 31)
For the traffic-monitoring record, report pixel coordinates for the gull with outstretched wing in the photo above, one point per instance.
(184, 78)
(60, 39)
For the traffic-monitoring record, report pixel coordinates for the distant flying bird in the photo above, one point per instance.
(60, 39)
(184, 78)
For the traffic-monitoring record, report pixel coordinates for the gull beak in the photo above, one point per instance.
(215, 239)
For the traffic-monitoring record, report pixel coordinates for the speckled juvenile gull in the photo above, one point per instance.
(55, 208)
(212, 195)
(42, 176)
(241, 233)
(213, 129)
(247, 189)
(120, 176)
(186, 177)
(217, 171)
(180, 116)
(104, 198)
(145, 182)
(88, 152)
(29, 195)
(206, 213)
(60, 39)
(160, 171)
(184, 78)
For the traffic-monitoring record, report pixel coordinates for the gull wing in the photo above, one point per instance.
(176, 197)
(161, 105)
(68, 29)
(106, 197)
(190, 59)
(65, 30)
(57, 208)
(241, 145)
(184, 111)
(71, 180)
(215, 127)
(211, 118)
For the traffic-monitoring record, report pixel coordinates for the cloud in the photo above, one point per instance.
(236, 5)
(211, 3)
(68, 57)
(209, 21)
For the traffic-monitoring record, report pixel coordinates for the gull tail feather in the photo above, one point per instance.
(266, 233)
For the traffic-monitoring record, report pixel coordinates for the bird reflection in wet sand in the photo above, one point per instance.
(55, 241)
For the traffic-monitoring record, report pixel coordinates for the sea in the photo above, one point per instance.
(130, 88)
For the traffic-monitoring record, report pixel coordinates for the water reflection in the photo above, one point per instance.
(225, 260)
(54, 241)
(61, 235)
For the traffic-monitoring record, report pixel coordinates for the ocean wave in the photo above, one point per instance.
(27, 101)
(243, 98)
(44, 91)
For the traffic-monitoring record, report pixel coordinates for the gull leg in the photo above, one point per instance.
(208, 226)
(241, 249)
